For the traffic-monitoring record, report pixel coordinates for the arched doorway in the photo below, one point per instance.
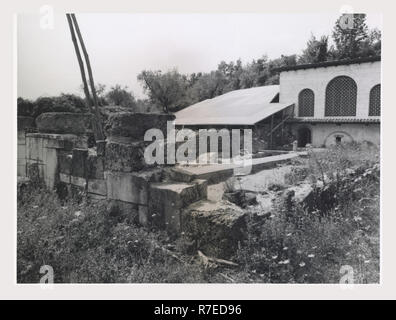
(304, 137)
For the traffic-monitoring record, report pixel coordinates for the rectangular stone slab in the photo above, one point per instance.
(97, 186)
(167, 199)
(131, 186)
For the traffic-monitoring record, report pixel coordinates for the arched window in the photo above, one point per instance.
(341, 95)
(306, 102)
(375, 101)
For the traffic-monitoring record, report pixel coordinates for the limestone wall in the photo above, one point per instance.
(21, 154)
(25, 124)
(43, 150)
(144, 193)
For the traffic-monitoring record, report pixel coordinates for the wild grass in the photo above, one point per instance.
(84, 244)
(297, 245)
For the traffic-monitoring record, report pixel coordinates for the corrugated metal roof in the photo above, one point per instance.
(239, 107)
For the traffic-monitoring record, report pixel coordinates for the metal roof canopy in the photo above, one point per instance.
(238, 107)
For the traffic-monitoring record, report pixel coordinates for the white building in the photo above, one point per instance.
(319, 104)
(335, 101)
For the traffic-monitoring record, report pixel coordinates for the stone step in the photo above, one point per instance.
(167, 199)
(215, 173)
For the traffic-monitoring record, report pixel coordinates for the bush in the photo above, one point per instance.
(25, 107)
(310, 246)
(62, 103)
(84, 244)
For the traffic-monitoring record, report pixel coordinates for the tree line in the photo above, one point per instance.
(171, 90)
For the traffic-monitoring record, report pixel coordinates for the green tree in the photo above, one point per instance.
(208, 86)
(232, 74)
(255, 73)
(166, 90)
(25, 107)
(120, 96)
(62, 103)
(283, 61)
(350, 38)
(372, 46)
(100, 89)
(316, 50)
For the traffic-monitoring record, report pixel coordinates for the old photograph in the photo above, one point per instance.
(198, 148)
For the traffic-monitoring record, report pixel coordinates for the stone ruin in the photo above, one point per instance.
(56, 150)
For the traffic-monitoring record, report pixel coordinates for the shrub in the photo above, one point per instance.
(297, 245)
(25, 107)
(62, 103)
(84, 244)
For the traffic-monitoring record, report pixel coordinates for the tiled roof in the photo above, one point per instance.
(329, 63)
(337, 120)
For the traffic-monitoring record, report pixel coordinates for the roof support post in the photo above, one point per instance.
(271, 132)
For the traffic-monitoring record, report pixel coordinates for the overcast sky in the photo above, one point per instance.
(120, 46)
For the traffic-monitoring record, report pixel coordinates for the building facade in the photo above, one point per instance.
(335, 102)
(318, 104)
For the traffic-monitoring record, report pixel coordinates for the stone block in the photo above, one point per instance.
(131, 187)
(143, 215)
(21, 170)
(65, 162)
(81, 142)
(50, 160)
(65, 178)
(202, 188)
(79, 163)
(35, 171)
(21, 138)
(214, 227)
(21, 151)
(167, 200)
(125, 157)
(34, 148)
(97, 186)
(95, 166)
(96, 197)
(179, 174)
(54, 142)
(135, 125)
(78, 181)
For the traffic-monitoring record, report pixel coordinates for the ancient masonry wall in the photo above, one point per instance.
(59, 156)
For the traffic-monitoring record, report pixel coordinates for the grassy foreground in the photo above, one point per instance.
(84, 244)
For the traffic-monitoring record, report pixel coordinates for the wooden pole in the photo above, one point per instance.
(91, 80)
(87, 99)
